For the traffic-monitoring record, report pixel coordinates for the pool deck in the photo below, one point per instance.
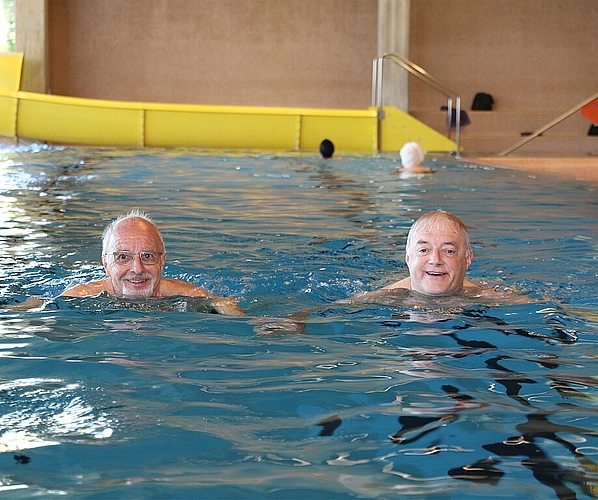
(578, 168)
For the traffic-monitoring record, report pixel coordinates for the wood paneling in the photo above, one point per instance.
(291, 53)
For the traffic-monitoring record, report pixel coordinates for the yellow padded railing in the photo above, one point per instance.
(11, 67)
(80, 121)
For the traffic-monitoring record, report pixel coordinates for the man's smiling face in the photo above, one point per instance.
(438, 257)
(135, 279)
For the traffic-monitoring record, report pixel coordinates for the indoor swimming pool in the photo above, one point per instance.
(108, 398)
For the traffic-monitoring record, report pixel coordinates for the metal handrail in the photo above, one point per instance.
(423, 75)
(549, 125)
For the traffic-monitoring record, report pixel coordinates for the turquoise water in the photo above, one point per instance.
(110, 399)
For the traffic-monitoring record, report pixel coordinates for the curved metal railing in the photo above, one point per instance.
(424, 76)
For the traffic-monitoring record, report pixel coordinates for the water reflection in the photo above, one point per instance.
(33, 201)
(473, 330)
(536, 434)
(46, 411)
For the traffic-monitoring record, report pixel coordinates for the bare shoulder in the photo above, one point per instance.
(415, 172)
(169, 287)
(86, 289)
(509, 296)
(497, 295)
(470, 284)
(404, 283)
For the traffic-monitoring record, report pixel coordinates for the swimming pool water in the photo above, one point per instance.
(102, 398)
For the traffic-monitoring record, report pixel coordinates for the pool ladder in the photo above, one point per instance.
(453, 99)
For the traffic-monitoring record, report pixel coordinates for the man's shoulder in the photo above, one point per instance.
(470, 284)
(85, 289)
(169, 286)
(404, 283)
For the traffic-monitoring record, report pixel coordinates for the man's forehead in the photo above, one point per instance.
(437, 241)
(124, 234)
(437, 226)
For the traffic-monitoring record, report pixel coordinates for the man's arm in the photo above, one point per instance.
(224, 305)
(85, 289)
(227, 306)
(82, 290)
(30, 303)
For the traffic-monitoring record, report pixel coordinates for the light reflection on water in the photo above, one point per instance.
(103, 398)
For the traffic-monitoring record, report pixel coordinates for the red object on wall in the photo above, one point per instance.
(590, 111)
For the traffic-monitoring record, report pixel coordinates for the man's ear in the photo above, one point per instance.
(469, 259)
(104, 263)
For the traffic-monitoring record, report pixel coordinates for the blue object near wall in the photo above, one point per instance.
(464, 116)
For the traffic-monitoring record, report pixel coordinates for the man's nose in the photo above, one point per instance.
(136, 265)
(435, 257)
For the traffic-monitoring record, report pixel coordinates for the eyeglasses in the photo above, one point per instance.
(146, 258)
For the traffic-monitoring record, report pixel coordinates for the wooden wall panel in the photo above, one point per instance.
(529, 54)
(292, 53)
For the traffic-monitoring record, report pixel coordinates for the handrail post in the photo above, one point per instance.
(374, 100)
(377, 89)
(458, 126)
(449, 117)
(379, 81)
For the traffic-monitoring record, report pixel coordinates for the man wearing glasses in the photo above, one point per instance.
(133, 256)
